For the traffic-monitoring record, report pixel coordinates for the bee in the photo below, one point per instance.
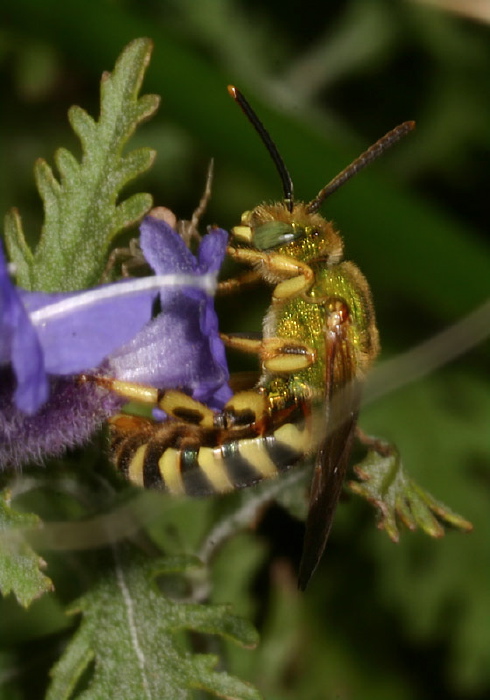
(319, 341)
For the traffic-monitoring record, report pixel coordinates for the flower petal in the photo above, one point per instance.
(182, 347)
(76, 336)
(172, 353)
(212, 250)
(163, 248)
(20, 346)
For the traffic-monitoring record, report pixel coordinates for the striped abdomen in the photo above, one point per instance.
(184, 459)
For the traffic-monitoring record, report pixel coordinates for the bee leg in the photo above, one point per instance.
(174, 403)
(246, 410)
(185, 408)
(130, 258)
(298, 275)
(188, 230)
(132, 391)
(235, 284)
(277, 354)
(204, 201)
(243, 381)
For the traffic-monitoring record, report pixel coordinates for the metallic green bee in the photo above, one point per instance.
(319, 340)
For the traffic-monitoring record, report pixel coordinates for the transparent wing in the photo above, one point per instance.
(343, 392)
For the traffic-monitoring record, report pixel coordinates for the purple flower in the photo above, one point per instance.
(45, 339)
(181, 347)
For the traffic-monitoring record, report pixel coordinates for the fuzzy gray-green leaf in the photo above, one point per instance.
(19, 251)
(20, 567)
(133, 634)
(83, 208)
(398, 497)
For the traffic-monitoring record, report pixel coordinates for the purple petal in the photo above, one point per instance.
(182, 348)
(28, 363)
(171, 352)
(163, 248)
(62, 334)
(212, 250)
(20, 346)
(79, 336)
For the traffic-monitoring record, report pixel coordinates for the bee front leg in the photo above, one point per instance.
(235, 284)
(278, 355)
(298, 275)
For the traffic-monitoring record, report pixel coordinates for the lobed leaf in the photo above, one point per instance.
(132, 634)
(20, 567)
(83, 211)
(385, 484)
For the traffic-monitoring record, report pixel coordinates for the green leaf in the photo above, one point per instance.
(441, 427)
(385, 484)
(20, 567)
(19, 251)
(83, 211)
(133, 636)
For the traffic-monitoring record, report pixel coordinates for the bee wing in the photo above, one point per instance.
(341, 411)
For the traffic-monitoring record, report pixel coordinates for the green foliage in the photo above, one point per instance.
(126, 614)
(429, 590)
(20, 566)
(82, 211)
(386, 485)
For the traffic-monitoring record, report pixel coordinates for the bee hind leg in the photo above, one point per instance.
(174, 403)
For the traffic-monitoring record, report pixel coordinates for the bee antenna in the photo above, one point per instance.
(287, 183)
(359, 163)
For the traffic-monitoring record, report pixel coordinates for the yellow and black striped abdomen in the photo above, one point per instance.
(181, 459)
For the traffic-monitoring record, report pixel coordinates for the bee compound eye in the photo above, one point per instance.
(273, 234)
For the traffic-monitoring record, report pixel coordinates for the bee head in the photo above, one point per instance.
(278, 225)
(297, 233)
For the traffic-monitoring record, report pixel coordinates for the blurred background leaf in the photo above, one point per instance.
(408, 621)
